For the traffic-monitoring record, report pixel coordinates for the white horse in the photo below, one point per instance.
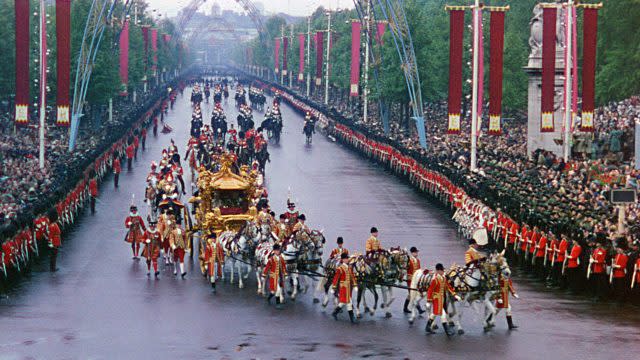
(420, 282)
(238, 251)
(476, 285)
(262, 254)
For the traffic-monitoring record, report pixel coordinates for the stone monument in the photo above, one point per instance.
(551, 141)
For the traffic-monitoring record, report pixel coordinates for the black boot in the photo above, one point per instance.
(420, 309)
(510, 323)
(428, 328)
(269, 298)
(213, 287)
(447, 329)
(406, 307)
(352, 317)
(335, 313)
(278, 303)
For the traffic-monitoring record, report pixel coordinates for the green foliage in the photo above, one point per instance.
(618, 75)
(105, 82)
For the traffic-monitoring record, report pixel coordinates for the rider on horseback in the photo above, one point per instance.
(337, 252)
(472, 256)
(372, 246)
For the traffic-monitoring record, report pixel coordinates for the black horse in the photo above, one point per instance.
(308, 130)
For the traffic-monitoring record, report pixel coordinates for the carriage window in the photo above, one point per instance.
(230, 199)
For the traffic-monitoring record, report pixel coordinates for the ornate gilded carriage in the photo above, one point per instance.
(225, 198)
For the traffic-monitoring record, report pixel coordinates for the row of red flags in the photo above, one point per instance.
(547, 123)
(318, 41)
(63, 53)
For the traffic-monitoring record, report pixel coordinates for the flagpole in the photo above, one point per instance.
(568, 81)
(365, 92)
(474, 103)
(326, 84)
(43, 82)
(282, 39)
(290, 73)
(308, 55)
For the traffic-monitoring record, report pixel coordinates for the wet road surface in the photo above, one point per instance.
(101, 305)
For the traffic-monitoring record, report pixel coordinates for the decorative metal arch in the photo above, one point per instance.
(247, 5)
(393, 12)
(100, 14)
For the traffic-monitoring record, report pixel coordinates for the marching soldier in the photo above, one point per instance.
(506, 289)
(344, 283)
(337, 252)
(436, 296)
(276, 271)
(136, 228)
(412, 267)
(178, 243)
(373, 244)
(151, 251)
(214, 258)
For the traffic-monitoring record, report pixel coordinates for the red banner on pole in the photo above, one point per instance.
(145, 39)
(301, 62)
(356, 26)
(319, 56)
(496, 52)
(124, 58)
(381, 27)
(549, 15)
(276, 56)
(456, 29)
(22, 14)
(43, 64)
(154, 49)
(480, 69)
(285, 58)
(590, 37)
(63, 39)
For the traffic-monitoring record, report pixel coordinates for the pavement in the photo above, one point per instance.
(101, 304)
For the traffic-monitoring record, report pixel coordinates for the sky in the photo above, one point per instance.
(293, 7)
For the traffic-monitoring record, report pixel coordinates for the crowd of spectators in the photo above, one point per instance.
(25, 188)
(538, 189)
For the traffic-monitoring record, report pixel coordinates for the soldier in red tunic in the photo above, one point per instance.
(344, 282)
(506, 289)
(54, 237)
(93, 191)
(153, 243)
(436, 296)
(135, 225)
(117, 168)
(214, 259)
(275, 271)
(619, 271)
(129, 150)
(598, 267)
